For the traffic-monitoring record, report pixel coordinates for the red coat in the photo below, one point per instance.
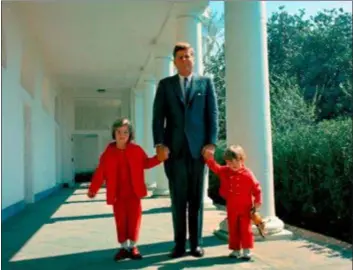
(239, 186)
(108, 170)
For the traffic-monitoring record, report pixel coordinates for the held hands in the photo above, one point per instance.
(162, 152)
(208, 151)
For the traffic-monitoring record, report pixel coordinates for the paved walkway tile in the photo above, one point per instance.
(67, 231)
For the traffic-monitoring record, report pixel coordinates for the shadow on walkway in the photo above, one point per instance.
(17, 230)
(202, 262)
(155, 254)
(157, 210)
(82, 217)
(85, 201)
(328, 250)
(84, 193)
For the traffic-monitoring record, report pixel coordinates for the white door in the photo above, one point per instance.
(85, 152)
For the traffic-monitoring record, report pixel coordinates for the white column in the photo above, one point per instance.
(139, 116)
(164, 68)
(149, 86)
(189, 29)
(248, 102)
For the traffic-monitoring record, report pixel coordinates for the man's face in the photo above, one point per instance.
(184, 62)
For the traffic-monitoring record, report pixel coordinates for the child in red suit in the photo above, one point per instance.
(122, 166)
(241, 191)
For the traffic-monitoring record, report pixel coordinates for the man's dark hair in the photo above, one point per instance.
(181, 46)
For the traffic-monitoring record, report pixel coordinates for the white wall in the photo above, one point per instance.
(86, 152)
(12, 115)
(126, 105)
(88, 117)
(67, 127)
(91, 155)
(105, 137)
(92, 119)
(40, 98)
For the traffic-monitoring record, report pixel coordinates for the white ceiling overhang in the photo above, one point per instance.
(102, 44)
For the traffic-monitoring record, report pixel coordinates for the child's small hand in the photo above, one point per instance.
(91, 195)
(163, 154)
(257, 205)
(207, 154)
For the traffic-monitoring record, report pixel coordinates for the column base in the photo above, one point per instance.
(208, 204)
(274, 228)
(160, 192)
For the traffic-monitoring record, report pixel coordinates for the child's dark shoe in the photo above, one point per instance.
(121, 254)
(135, 254)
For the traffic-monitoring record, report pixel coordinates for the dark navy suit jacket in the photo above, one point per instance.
(174, 118)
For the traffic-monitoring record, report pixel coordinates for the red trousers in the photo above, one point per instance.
(239, 228)
(128, 213)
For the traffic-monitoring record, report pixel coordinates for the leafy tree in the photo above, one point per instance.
(216, 67)
(213, 26)
(318, 53)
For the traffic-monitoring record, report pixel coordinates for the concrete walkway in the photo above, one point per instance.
(68, 231)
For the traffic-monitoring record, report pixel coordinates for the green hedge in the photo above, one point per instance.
(312, 167)
(312, 172)
(213, 187)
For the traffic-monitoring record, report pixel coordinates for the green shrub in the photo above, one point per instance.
(213, 188)
(312, 165)
(312, 169)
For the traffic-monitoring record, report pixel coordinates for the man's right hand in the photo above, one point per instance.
(162, 152)
(91, 195)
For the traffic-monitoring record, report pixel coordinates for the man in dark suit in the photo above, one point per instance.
(185, 120)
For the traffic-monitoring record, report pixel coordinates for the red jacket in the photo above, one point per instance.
(240, 185)
(107, 170)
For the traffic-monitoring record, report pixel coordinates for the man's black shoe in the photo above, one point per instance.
(177, 253)
(197, 252)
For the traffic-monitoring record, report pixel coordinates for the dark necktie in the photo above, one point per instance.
(186, 90)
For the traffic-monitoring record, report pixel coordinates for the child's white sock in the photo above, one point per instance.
(125, 245)
(132, 244)
(247, 253)
(235, 254)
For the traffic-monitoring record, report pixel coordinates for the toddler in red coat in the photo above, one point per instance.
(122, 166)
(242, 192)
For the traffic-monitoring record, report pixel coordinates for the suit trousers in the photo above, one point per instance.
(127, 214)
(186, 183)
